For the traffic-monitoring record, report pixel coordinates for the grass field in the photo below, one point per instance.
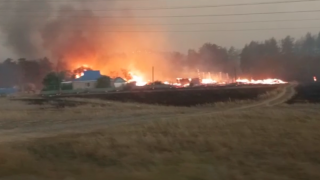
(276, 143)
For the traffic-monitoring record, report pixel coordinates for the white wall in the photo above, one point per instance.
(84, 84)
(118, 85)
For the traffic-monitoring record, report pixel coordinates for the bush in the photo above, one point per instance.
(104, 82)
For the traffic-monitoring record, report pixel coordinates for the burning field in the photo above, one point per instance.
(139, 79)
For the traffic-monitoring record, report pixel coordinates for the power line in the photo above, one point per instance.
(188, 16)
(195, 7)
(199, 23)
(207, 30)
(64, 1)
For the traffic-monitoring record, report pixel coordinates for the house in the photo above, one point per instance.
(7, 91)
(87, 81)
(118, 82)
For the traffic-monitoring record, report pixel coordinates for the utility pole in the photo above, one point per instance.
(235, 74)
(152, 77)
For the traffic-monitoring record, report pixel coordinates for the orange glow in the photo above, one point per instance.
(208, 81)
(138, 79)
(263, 81)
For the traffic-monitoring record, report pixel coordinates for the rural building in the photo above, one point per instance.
(87, 81)
(7, 91)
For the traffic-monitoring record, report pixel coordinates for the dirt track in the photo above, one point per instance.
(50, 129)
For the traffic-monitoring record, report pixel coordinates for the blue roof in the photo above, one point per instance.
(89, 76)
(8, 90)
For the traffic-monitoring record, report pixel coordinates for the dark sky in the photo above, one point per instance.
(182, 41)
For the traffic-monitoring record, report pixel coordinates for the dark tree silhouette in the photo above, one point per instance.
(103, 82)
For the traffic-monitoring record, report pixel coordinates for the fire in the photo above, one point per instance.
(315, 79)
(208, 81)
(263, 81)
(134, 76)
(138, 79)
(80, 74)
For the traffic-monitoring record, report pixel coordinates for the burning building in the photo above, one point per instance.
(88, 80)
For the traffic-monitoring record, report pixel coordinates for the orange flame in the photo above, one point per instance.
(138, 79)
(263, 81)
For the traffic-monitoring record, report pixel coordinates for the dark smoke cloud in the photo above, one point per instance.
(73, 34)
(76, 35)
(20, 25)
(61, 31)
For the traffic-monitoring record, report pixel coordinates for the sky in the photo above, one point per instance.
(182, 41)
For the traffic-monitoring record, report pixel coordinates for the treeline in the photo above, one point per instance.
(210, 58)
(287, 58)
(24, 72)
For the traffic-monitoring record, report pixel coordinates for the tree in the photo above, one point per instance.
(287, 45)
(308, 45)
(52, 81)
(103, 82)
(271, 47)
(318, 45)
(213, 57)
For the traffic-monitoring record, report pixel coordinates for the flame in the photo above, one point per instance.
(315, 79)
(137, 79)
(208, 81)
(263, 81)
(79, 75)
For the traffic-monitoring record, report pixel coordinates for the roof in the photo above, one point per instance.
(8, 90)
(89, 76)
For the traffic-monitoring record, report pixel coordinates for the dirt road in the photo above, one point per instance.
(23, 133)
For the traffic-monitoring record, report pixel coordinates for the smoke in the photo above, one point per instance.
(20, 26)
(77, 35)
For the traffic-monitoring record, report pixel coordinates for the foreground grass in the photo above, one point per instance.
(16, 114)
(271, 143)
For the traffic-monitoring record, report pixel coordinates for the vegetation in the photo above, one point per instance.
(268, 143)
(103, 82)
(53, 81)
(128, 141)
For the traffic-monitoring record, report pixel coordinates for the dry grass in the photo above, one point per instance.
(280, 143)
(15, 114)
(271, 143)
(238, 103)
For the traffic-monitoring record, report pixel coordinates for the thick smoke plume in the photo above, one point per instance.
(20, 27)
(76, 35)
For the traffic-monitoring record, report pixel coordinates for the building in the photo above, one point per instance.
(7, 91)
(87, 81)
